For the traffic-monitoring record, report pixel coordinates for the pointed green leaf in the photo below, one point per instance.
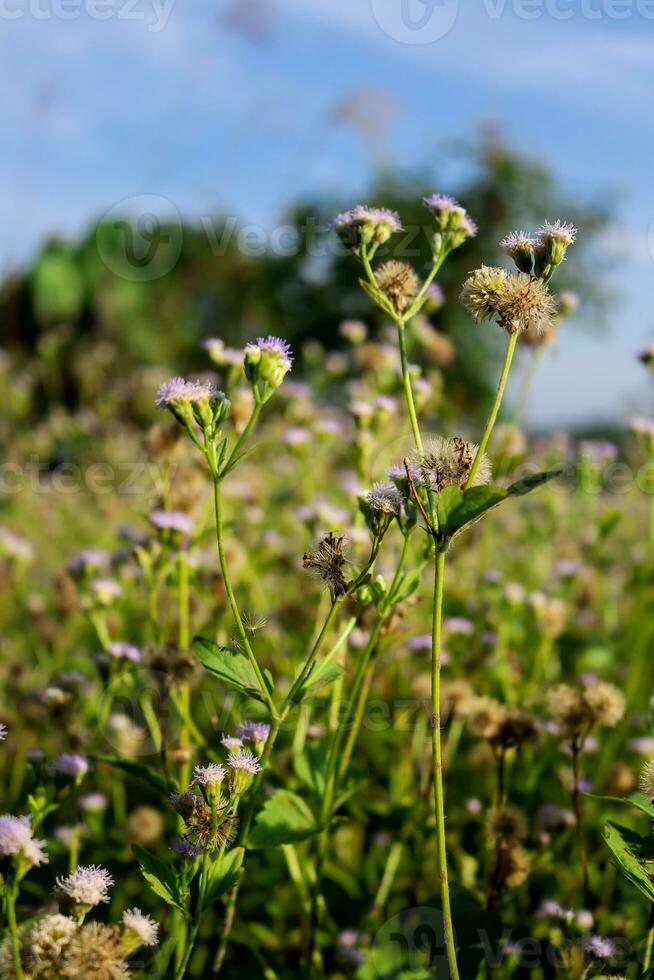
(634, 855)
(231, 667)
(531, 482)
(311, 766)
(160, 877)
(447, 502)
(475, 502)
(636, 800)
(284, 819)
(224, 874)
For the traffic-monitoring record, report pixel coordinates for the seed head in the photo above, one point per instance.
(46, 942)
(386, 498)
(448, 462)
(507, 825)
(515, 300)
(606, 703)
(485, 716)
(95, 951)
(398, 282)
(144, 930)
(329, 561)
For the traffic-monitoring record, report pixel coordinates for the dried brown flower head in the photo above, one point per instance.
(506, 825)
(515, 300)
(515, 866)
(398, 282)
(566, 706)
(517, 727)
(606, 703)
(485, 716)
(329, 561)
(204, 827)
(456, 696)
(447, 463)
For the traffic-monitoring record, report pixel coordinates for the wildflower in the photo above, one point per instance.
(244, 766)
(506, 825)
(254, 731)
(485, 716)
(329, 561)
(553, 243)
(210, 778)
(568, 709)
(86, 886)
(211, 826)
(606, 704)
(87, 560)
(363, 225)
(106, 591)
(353, 330)
(584, 919)
(456, 697)
(646, 781)
(185, 848)
(451, 218)
(17, 840)
(145, 825)
(600, 948)
(140, 929)
(550, 909)
(220, 354)
(120, 650)
(69, 764)
(172, 520)
(95, 951)
(513, 299)
(398, 282)
(94, 802)
(231, 743)
(14, 546)
(46, 942)
(447, 462)
(191, 401)
(386, 498)
(520, 246)
(268, 360)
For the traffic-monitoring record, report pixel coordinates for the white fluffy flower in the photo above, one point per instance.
(145, 928)
(87, 885)
(16, 839)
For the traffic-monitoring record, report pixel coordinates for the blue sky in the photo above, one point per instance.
(177, 98)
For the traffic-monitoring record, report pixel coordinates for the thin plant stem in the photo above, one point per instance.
(492, 418)
(579, 813)
(242, 439)
(13, 930)
(439, 801)
(232, 599)
(649, 943)
(408, 389)
(390, 871)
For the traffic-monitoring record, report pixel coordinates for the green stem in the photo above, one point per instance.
(439, 802)
(13, 931)
(242, 439)
(408, 390)
(232, 598)
(492, 418)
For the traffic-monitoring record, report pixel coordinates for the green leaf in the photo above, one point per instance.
(224, 874)
(532, 482)
(630, 852)
(474, 502)
(376, 296)
(321, 675)
(284, 819)
(636, 800)
(160, 877)
(232, 668)
(311, 766)
(447, 502)
(145, 774)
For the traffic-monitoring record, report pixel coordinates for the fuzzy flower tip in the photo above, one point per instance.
(171, 520)
(17, 840)
(69, 764)
(86, 885)
(366, 224)
(143, 927)
(245, 761)
(563, 231)
(211, 775)
(600, 948)
(269, 359)
(451, 217)
(448, 462)
(385, 497)
(120, 650)
(253, 731)
(179, 390)
(516, 301)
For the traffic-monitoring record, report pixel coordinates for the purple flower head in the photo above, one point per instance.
(245, 761)
(441, 202)
(178, 390)
(69, 764)
(86, 885)
(232, 744)
(369, 224)
(253, 731)
(558, 230)
(16, 838)
(185, 848)
(120, 650)
(210, 775)
(277, 346)
(459, 625)
(89, 559)
(269, 359)
(172, 520)
(550, 909)
(599, 948)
